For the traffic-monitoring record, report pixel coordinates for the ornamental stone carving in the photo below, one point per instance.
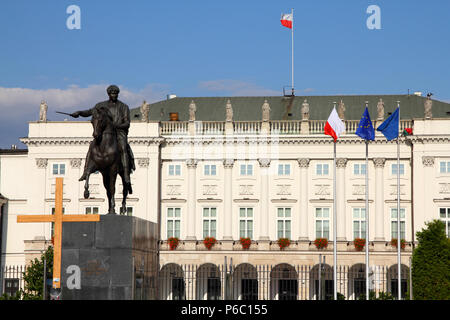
(145, 108)
(428, 105)
(379, 162)
(305, 110)
(303, 162)
(428, 161)
(192, 110)
(341, 162)
(322, 190)
(143, 162)
(265, 111)
(75, 163)
(173, 190)
(229, 111)
(43, 111)
(284, 189)
(264, 163)
(191, 163)
(341, 110)
(245, 189)
(228, 163)
(380, 110)
(209, 190)
(41, 163)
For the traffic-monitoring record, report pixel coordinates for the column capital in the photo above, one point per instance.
(143, 162)
(379, 162)
(341, 162)
(264, 162)
(428, 161)
(191, 163)
(228, 163)
(75, 163)
(303, 162)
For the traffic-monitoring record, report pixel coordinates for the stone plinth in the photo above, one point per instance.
(116, 259)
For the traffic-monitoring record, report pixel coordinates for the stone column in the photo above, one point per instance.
(379, 198)
(228, 199)
(265, 220)
(428, 164)
(303, 212)
(191, 218)
(341, 164)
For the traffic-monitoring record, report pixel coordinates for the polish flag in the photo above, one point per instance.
(334, 126)
(286, 20)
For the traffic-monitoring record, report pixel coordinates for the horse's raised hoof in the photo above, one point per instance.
(86, 194)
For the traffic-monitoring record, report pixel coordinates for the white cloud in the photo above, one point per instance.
(17, 102)
(236, 88)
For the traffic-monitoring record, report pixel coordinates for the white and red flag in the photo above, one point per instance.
(334, 126)
(286, 20)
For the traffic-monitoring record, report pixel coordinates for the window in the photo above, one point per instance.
(246, 169)
(359, 223)
(323, 223)
(444, 215)
(394, 169)
(209, 222)
(210, 170)
(11, 286)
(59, 168)
(174, 169)
(394, 223)
(91, 210)
(284, 223)
(322, 169)
(359, 169)
(444, 167)
(284, 169)
(246, 223)
(129, 211)
(173, 222)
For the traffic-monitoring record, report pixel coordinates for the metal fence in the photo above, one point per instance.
(260, 282)
(280, 282)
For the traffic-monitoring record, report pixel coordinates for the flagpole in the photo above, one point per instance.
(367, 219)
(292, 54)
(398, 209)
(334, 226)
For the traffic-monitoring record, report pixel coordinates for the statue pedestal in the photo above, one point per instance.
(113, 259)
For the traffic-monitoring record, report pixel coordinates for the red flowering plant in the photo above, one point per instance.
(173, 242)
(209, 242)
(321, 243)
(283, 243)
(394, 242)
(359, 244)
(245, 242)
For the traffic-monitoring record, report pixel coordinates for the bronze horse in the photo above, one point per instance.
(105, 158)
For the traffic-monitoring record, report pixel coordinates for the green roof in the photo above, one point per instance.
(289, 108)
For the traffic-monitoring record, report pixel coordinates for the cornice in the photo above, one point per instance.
(86, 141)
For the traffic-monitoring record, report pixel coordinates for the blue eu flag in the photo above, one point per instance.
(365, 128)
(390, 126)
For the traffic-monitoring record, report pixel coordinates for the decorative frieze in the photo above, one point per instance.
(209, 190)
(41, 163)
(143, 162)
(173, 190)
(75, 163)
(428, 161)
(444, 188)
(284, 189)
(245, 189)
(322, 189)
(359, 189)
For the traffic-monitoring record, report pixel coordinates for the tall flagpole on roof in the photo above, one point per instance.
(398, 209)
(292, 58)
(367, 214)
(334, 222)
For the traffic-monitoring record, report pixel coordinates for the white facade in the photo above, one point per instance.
(230, 180)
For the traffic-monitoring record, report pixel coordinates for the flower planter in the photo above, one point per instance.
(173, 243)
(284, 243)
(209, 242)
(246, 243)
(321, 243)
(359, 244)
(402, 243)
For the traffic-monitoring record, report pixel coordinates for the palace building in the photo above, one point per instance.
(248, 167)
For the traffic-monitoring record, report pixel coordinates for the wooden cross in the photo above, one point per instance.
(58, 218)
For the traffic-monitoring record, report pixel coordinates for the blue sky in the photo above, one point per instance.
(212, 48)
